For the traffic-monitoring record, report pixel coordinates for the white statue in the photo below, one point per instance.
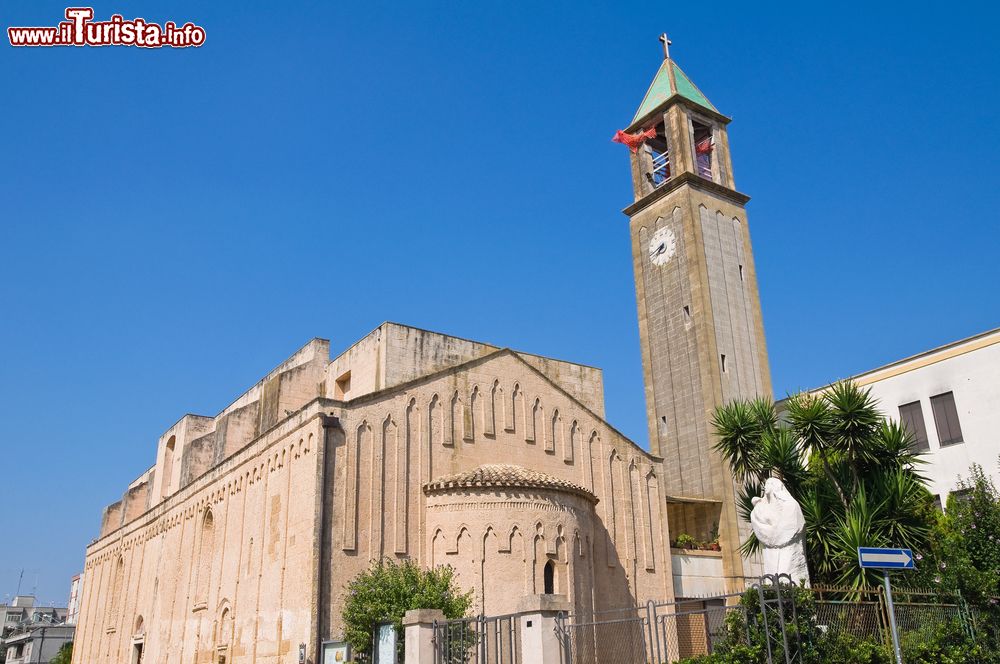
(779, 525)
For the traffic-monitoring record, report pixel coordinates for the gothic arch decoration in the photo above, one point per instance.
(438, 548)
(496, 398)
(539, 556)
(435, 422)
(358, 449)
(535, 427)
(497, 544)
(395, 446)
(555, 433)
(651, 512)
(569, 450)
(456, 420)
(224, 630)
(549, 577)
(168, 466)
(611, 506)
(463, 530)
(138, 627)
(593, 452)
(206, 548)
(473, 414)
(402, 470)
(516, 409)
(489, 557)
(382, 495)
(632, 521)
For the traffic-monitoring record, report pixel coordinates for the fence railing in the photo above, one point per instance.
(661, 632)
(656, 632)
(478, 640)
(864, 613)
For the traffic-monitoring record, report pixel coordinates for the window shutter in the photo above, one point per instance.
(912, 417)
(949, 430)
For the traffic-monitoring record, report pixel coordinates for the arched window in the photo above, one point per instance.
(117, 581)
(225, 628)
(549, 577)
(168, 466)
(205, 557)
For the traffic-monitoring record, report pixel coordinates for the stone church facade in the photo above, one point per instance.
(236, 545)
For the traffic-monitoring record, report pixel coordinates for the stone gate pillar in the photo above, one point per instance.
(539, 640)
(418, 630)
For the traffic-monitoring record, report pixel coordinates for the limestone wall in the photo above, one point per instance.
(224, 566)
(494, 410)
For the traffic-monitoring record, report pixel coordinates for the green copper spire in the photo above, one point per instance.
(670, 81)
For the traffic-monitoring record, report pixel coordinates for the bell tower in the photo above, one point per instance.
(699, 311)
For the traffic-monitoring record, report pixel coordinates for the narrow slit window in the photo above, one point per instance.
(741, 273)
(723, 362)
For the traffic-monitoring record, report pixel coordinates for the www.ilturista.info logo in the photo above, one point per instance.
(81, 30)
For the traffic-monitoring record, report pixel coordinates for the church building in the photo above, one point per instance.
(235, 546)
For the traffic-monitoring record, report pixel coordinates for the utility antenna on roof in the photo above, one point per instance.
(666, 45)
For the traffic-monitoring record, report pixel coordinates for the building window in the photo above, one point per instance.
(549, 577)
(342, 387)
(949, 431)
(912, 418)
(704, 145)
(658, 156)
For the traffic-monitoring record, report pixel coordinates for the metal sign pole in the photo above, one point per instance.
(892, 619)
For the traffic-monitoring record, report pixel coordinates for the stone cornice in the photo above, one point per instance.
(675, 183)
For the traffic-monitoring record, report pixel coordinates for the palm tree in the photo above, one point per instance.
(853, 472)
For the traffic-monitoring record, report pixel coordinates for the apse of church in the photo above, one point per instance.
(238, 543)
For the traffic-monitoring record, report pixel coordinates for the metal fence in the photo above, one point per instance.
(864, 613)
(478, 640)
(656, 632)
(662, 632)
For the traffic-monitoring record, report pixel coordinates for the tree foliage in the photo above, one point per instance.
(964, 551)
(65, 654)
(388, 589)
(746, 634)
(853, 473)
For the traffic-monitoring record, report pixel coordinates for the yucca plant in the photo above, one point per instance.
(854, 473)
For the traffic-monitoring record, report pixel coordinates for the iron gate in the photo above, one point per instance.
(478, 640)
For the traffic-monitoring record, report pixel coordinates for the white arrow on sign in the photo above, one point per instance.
(897, 557)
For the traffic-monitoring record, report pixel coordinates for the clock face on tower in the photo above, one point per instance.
(662, 246)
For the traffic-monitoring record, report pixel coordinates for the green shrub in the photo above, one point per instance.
(388, 589)
(65, 654)
(746, 636)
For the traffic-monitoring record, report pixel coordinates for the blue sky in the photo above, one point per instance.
(175, 223)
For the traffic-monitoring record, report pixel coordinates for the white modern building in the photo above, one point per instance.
(949, 398)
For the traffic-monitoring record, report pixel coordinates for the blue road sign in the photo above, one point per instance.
(885, 558)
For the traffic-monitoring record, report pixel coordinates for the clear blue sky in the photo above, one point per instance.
(175, 223)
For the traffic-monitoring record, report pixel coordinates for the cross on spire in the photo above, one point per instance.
(666, 45)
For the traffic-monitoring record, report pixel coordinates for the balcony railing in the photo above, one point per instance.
(661, 168)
